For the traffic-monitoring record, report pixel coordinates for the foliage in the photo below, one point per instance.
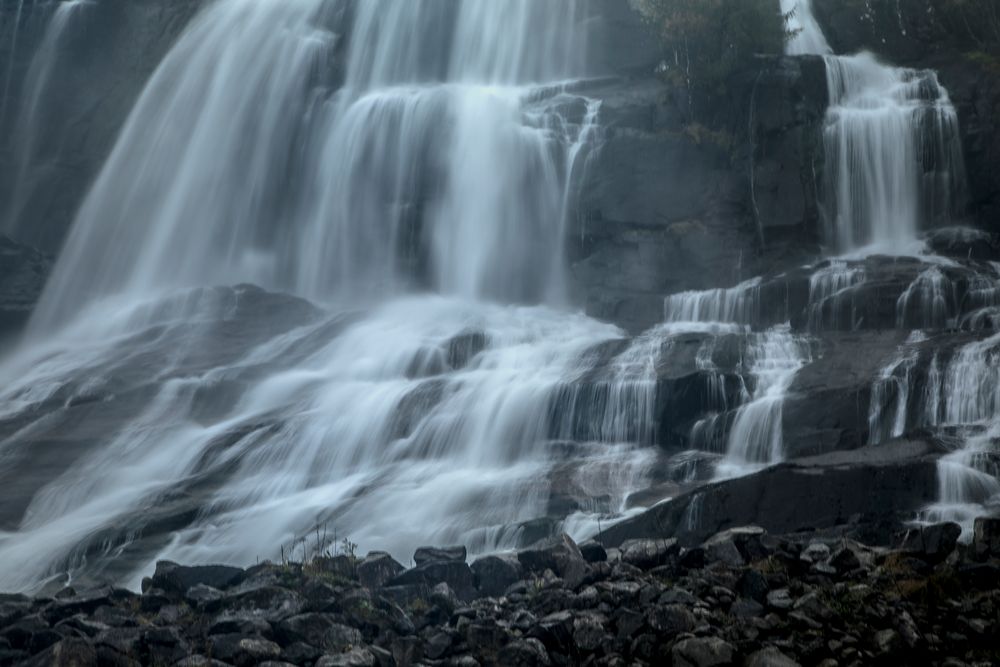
(708, 40)
(978, 20)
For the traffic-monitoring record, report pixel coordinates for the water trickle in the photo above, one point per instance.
(928, 303)
(832, 302)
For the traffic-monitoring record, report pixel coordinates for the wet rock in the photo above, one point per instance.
(357, 657)
(67, 653)
(440, 554)
(492, 575)
(722, 549)
(525, 653)
(932, 543)
(593, 552)
(646, 554)
(986, 537)
(239, 650)
(559, 554)
(177, 579)
(377, 569)
(319, 630)
(702, 652)
(770, 657)
(458, 575)
(671, 620)
(780, 599)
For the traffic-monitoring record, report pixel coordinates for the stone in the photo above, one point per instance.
(646, 554)
(457, 574)
(702, 652)
(178, 579)
(493, 575)
(559, 554)
(723, 550)
(378, 568)
(524, 653)
(319, 630)
(671, 620)
(780, 599)
(356, 657)
(887, 642)
(933, 543)
(440, 554)
(240, 650)
(986, 536)
(69, 652)
(816, 552)
(770, 657)
(593, 552)
(753, 585)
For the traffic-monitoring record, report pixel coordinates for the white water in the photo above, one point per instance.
(29, 128)
(893, 152)
(756, 438)
(969, 399)
(832, 295)
(447, 158)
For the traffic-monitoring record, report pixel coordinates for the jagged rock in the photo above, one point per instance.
(240, 650)
(671, 620)
(702, 652)
(722, 549)
(495, 574)
(593, 552)
(816, 552)
(770, 657)
(986, 536)
(319, 630)
(933, 543)
(525, 653)
(440, 554)
(647, 554)
(69, 652)
(269, 603)
(356, 657)
(458, 575)
(378, 568)
(559, 554)
(780, 599)
(178, 579)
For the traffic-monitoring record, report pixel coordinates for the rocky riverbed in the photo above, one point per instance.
(743, 597)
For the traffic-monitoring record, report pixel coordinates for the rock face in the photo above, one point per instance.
(770, 600)
(23, 272)
(811, 494)
(671, 205)
(82, 91)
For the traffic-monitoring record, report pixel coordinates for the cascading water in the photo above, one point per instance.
(356, 154)
(969, 400)
(28, 132)
(893, 153)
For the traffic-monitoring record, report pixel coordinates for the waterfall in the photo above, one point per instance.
(411, 168)
(968, 399)
(456, 152)
(755, 439)
(893, 151)
(751, 437)
(832, 296)
(28, 131)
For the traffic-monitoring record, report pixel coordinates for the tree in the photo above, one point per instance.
(707, 40)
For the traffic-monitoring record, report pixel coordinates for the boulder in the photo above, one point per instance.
(986, 537)
(377, 568)
(593, 552)
(458, 575)
(770, 657)
(559, 554)
(492, 575)
(178, 579)
(932, 543)
(702, 652)
(355, 657)
(319, 630)
(440, 554)
(646, 554)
